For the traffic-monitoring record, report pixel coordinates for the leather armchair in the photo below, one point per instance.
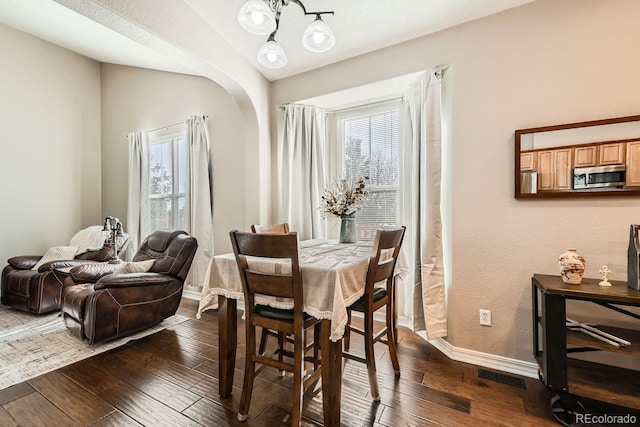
(39, 291)
(100, 303)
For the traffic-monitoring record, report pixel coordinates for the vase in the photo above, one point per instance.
(348, 228)
(571, 267)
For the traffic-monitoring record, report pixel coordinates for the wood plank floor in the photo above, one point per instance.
(170, 379)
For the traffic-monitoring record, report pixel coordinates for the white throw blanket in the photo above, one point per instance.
(89, 239)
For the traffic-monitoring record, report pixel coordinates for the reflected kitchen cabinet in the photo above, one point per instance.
(611, 154)
(554, 169)
(598, 155)
(633, 164)
(585, 156)
(528, 161)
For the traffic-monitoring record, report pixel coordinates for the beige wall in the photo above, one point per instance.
(49, 144)
(548, 62)
(141, 99)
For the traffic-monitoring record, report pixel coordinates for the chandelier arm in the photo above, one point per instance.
(304, 9)
(277, 9)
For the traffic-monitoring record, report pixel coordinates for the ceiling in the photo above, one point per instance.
(360, 26)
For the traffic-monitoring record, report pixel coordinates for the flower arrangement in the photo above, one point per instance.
(340, 199)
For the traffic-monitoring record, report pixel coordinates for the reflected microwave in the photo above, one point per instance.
(599, 177)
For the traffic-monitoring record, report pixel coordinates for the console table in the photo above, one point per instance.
(553, 342)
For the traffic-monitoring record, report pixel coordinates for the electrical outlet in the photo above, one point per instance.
(485, 317)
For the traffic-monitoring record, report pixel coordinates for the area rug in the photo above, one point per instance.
(32, 345)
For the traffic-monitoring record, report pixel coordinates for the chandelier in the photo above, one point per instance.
(262, 17)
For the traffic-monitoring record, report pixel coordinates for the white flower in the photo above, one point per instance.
(340, 199)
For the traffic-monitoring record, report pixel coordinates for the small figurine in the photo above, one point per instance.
(605, 276)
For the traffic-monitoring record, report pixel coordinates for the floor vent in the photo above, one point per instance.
(502, 378)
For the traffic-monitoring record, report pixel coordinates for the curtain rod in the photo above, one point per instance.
(370, 104)
(439, 71)
(173, 125)
(340, 110)
(166, 127)
(282, 107)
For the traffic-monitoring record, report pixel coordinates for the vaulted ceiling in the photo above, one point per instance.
(360, 26)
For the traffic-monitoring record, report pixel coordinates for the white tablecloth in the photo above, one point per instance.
(333, 277)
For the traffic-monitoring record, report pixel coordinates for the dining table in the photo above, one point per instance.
(333, 278)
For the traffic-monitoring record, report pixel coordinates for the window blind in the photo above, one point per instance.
(370, 148)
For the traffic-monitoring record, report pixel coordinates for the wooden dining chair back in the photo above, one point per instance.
(379, 293)
(266, 333)
(274, 228)
(279, 251)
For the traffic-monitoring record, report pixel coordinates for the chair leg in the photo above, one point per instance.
(369, 355)
(316, 345)
(298, 362)
(249, 374)
(263, 341)
(281, 340)
(392, 338)
(346, 340)
(394, 311)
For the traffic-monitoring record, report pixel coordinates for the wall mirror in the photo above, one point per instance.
(586, 159)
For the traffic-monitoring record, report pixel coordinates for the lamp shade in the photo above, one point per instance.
(256, 17)
(318, 37)
(271, 55)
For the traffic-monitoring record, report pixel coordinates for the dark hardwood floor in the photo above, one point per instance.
(170, 379)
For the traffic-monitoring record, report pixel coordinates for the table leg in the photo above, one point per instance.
(227, 342)
(331, 375)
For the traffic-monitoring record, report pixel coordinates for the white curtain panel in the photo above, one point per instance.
(198, 204)
(138, 203)
(422, 179)
(301, 170)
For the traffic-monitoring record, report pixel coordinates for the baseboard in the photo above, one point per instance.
(491, 361)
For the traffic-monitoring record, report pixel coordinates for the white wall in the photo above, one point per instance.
(141, 99)
(544, 63)
(49, 144)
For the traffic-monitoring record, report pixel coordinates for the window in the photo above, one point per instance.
(167, 181)
(370, 147)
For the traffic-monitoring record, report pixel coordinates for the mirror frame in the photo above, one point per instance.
(572, 193)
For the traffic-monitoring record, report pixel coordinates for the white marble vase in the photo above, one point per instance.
(572, 266)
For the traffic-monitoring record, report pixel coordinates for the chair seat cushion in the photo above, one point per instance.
(378, 293)
(277, 313)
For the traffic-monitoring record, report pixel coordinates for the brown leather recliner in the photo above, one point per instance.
(39, 291)
(101, 304)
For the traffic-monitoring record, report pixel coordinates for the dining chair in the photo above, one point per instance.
(379, 293)
(266, 333)
(274, 228)
(252, 249)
